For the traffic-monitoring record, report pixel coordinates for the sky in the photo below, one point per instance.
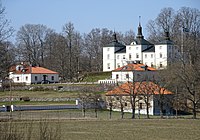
(118, 15)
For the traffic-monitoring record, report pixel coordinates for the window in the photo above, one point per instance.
(151, 64)
(118, 65)
(36, 78)
(129, 48)
(108, 65)
(17, 78)
(123, 56)
(108, 56)
(136, 48)
(127, 75)
(161, 65)
(160, 47)
(117, 56)
(108, 49)
(138, 76)
(137, 55)
(26, 78)
(160, 55)
(129, 56)
(145, 55)
(52, 78)
(125, 104)
(151, 55)
(117, 76)
(140, 105)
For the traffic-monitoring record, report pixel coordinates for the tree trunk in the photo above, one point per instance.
(147, 111)
(110, 111)
(122, 111)
(132, 99)
(147, 104)
(194, 111)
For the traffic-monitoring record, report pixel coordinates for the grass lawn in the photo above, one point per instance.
(39, 94)
(154, 129)
(117, 129)
(94, 77)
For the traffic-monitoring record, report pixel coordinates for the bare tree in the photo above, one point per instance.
(6, 30)
(189, 77)
(5, 47)
(147, 89)
(7, 57)
(31, 42)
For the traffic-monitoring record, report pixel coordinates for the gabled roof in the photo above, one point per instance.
(41, 70)
(115, 44)
(134, 67)
(149, 49)
(122, 50)
(142, 41)
(138, 88)
(25, 69)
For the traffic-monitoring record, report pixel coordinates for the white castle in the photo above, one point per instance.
(159, 56)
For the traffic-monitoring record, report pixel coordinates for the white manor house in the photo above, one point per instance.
(160, 55)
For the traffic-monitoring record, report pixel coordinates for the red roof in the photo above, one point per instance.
(138, 88)
(31, 70)
(38, 70)
(136, 67)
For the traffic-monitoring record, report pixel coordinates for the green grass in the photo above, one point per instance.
(131, 129)
(127, 129)
(94, 77)
(39, 94)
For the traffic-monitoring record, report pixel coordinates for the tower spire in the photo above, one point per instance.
(139, 20)
(115, 37)
(139, 35)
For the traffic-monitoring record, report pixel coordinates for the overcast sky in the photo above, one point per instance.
(118, 15)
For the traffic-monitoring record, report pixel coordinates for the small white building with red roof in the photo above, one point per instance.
(27, 74)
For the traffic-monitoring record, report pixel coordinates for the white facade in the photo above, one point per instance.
(140, 50)
(33, 78)
(124, 76)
